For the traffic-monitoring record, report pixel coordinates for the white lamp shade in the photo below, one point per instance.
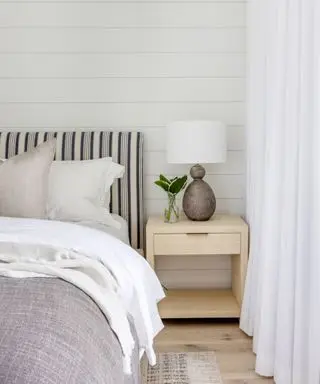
(196, 142)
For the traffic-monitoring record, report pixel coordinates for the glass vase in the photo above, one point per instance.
(171, 213)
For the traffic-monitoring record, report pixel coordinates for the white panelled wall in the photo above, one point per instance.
(132, 65)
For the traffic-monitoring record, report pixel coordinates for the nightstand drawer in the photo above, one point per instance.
(197, 244)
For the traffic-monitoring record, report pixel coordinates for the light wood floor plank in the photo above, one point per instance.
(233, 348)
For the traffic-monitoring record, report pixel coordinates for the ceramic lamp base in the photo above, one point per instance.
(199, 202)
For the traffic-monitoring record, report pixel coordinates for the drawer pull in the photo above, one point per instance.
(197, 234)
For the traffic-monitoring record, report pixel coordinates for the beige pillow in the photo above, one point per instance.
(24, 182)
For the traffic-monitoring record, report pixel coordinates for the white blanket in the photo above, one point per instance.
(112, 273)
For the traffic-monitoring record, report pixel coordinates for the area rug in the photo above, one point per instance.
(182, 368)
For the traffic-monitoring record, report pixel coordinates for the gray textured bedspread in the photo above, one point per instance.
(53, 333)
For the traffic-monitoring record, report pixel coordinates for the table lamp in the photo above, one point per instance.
(197, 142)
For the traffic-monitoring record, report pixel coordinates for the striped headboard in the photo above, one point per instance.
(125, 148)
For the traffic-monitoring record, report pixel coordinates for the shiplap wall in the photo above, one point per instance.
(132, 65)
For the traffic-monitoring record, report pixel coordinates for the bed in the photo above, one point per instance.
(54, 327)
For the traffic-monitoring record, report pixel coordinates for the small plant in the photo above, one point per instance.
(172, 187)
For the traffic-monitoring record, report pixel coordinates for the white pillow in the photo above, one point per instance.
(79, 190)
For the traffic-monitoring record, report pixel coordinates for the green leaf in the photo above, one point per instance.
(162, 184)
(175, 178)
(178, 185)
(163, 178)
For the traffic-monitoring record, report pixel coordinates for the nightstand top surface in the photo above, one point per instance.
(218, 223)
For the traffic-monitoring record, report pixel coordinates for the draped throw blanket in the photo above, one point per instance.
(114, 275)
(27, 260)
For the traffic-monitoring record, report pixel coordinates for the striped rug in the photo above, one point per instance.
(182, 368)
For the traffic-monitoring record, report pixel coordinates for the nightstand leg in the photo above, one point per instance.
(239, 269)
(236, 278)
(150, 250)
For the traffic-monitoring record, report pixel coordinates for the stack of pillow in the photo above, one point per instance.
(32, 185)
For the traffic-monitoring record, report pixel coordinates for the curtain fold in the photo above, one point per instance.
(281, 308)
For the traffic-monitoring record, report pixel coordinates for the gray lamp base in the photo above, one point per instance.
(199, 202)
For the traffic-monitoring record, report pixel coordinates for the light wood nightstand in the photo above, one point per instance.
(222, 235)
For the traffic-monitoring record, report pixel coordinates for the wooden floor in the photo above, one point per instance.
(233, 348)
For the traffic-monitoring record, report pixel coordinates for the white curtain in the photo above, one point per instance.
(281, 307)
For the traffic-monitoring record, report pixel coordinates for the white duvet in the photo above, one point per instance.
(117, 278)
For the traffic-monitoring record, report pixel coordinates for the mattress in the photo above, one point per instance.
(121, 233)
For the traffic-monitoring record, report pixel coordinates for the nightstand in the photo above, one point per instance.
(222, 235)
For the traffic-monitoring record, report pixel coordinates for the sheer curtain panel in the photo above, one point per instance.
(281, 307)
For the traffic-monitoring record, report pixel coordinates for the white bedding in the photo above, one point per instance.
(121, 232)
(126, 274)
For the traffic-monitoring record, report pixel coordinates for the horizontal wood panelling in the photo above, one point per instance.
(41, 115)
(70, 65)
(225, 186)
(121, 90)
(92, 40)
(230, 205)
(139, 15)
(156, 163)
(133, 65)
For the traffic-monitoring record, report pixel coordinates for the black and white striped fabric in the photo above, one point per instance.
(125, 148)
